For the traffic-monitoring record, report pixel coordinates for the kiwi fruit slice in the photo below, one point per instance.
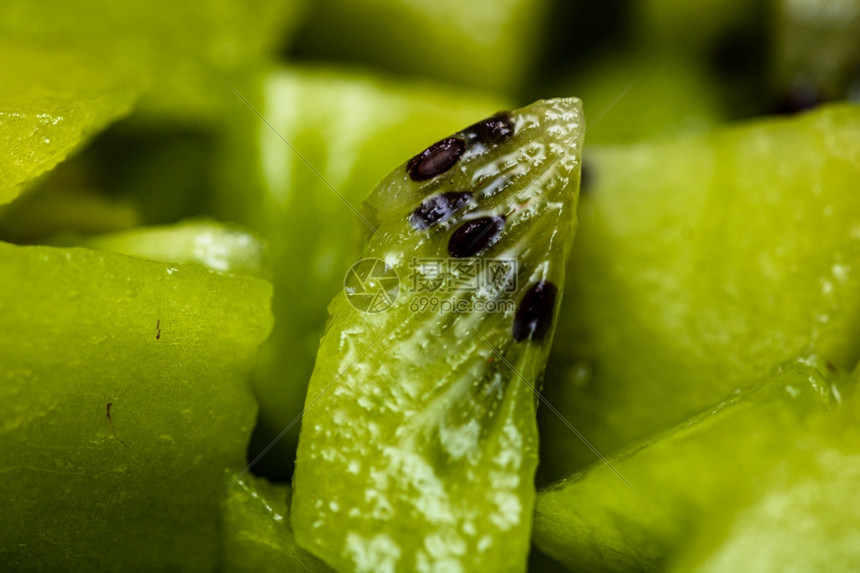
(419, 443)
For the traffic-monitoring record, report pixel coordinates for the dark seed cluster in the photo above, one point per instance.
(436, 159)
(439, 208)
(534, 313)
(535, 310)
(474, 236)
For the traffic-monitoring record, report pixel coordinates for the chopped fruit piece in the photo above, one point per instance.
(350, 128)
(52, 102)
(176, 54)
(418, 443)
(803, 523)
(806, 517)
(637, 510)
(124, 396)
(700, 263)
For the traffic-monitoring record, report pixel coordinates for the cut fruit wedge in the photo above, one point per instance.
(700, 263)
(804, 523)
(350, 128)
(419, 443)
(806, 518)
(124, 395)
(175, 54)
(51, 102)
(636, 511)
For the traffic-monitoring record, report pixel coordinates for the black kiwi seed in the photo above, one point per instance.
(474, 236)
(436, 159)
(493, 130)
(534, 313)
(438, 208)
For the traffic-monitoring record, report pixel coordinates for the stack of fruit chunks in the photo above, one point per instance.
(186, 385)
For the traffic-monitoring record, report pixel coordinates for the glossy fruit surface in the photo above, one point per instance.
(418, 445)
(805, 519)
(700, 263)
(637, 511)
(123, 397)
(350, 128)
(174, 55)
(52, 103)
